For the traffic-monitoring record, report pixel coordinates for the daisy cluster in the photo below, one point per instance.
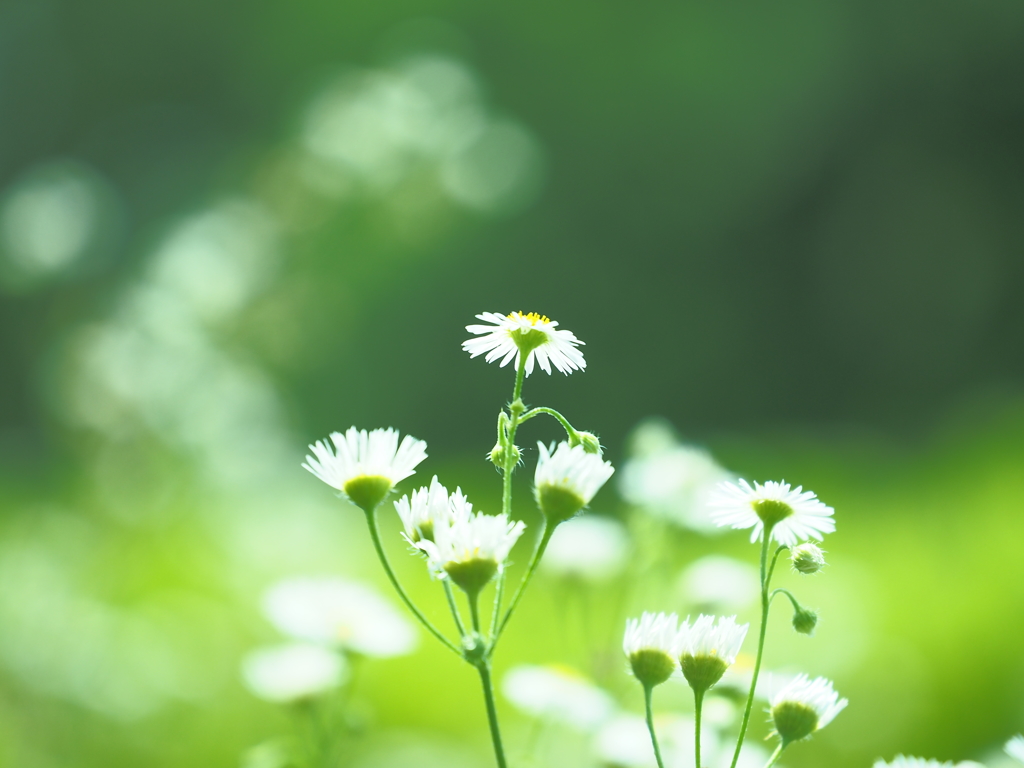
(469, 549)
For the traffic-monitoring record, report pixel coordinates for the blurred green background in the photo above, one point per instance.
(792, 230)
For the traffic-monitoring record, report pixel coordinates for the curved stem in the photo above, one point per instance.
(545, 536)
(787, 593)
(765, 604)
(771, 570)
(454, 607)
(775, 756)
(698, 706)
(371, 521)
(492, 713)
(648, 689)
(569, 430)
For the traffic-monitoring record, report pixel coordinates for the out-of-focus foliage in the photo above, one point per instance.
(792, 230)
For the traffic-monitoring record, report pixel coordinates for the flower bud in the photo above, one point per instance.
(805, 620)
(497, 455)
(590, 442)
(807, 558)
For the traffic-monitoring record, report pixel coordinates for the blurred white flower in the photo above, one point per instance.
(567, 479)
(1015, 748)
(669, 479)
(511, 336)
(792, 514)
(288, 673)
(336, 612)
(624, 742)
(589, 547)
(719, 584)
(365, 466)
(805, 706)
(558, 694)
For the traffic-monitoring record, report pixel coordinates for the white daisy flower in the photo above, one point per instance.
(566, 480)
(559, 694)
(651, 645)
(511, 336)
(292, 672)
(706, 649)
(1015, 748)
(365, 466)
(791, 514)
(425, 509)
(473, 548)
(592, 548)
(803, 707)
(339, 613)
(902, 761)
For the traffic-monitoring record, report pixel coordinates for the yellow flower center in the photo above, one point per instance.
(533, 317)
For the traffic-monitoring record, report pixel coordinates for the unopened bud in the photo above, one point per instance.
(590, 442)
(497, 455)
(805, 620)
(807, 558)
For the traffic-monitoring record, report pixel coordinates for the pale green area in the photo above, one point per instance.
(792, 230)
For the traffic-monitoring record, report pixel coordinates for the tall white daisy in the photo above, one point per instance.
(651, 645)
(791, 514)
(425, 509)
(803, 707)
(706, 649)
(1015, 748)
(509, 337)
(473, 549)
(902, 761)
(365, 466)
(566, 480)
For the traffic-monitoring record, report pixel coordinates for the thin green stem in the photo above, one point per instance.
(775, 756)
(648, 690)
(506, 480)
(492, 712)
(765, 604)
(474, 610)
(545, 536)
(569, 430)
(499, 593)
(775, 559)
(454, 607)
(371, 521)
(698, 706)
